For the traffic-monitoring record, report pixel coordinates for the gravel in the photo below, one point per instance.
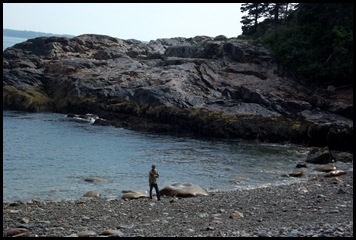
(319, 207)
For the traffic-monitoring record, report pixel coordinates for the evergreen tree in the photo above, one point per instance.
(255, 11)
(279, 12)
(317, 43)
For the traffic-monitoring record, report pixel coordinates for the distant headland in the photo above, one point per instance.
(30, 34)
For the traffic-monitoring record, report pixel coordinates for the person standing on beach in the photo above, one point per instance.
(152, 181)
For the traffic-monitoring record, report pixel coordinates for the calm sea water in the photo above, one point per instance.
(10, 41)
(45, 156)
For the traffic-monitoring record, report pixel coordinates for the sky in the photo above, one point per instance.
(141, 21)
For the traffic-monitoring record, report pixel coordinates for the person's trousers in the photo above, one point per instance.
(155, 186)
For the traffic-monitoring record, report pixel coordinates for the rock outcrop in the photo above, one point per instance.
(201, 86)
(179, 189)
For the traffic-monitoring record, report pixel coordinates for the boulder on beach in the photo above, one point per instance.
(325, 168)
(17, 232)
(296, 174)
(179, 189)
(131, 194)
(320, 156)
(92, 194)
(335, 173)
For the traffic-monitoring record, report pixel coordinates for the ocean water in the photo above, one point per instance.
(10, 41)
(46, 156)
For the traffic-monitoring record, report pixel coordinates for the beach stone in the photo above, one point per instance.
(326, 168)
(343, 156)
(296, 174)
(24, 220)
(14, 204)
(335, 173)
(303, 190)
(7, 211)
(209, 228)
(179, 189)
(32, 202)
(111, 232)
(341, 191)
(301, 165)
(17, 232)
(92, 194)
(236, 215)
(336, 180)
(130, 194)
(320, 156)
(87, 234)
(126, 226)
(72, 235)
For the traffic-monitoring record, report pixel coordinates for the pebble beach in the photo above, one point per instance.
(319, 207)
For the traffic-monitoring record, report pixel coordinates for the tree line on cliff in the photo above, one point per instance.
(313, 41)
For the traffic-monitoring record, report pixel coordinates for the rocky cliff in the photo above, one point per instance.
(201, 86)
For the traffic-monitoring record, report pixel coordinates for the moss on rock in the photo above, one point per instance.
(76, 104)
(28, 99)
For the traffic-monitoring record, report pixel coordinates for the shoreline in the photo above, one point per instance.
(308, 172)
(321, 206)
